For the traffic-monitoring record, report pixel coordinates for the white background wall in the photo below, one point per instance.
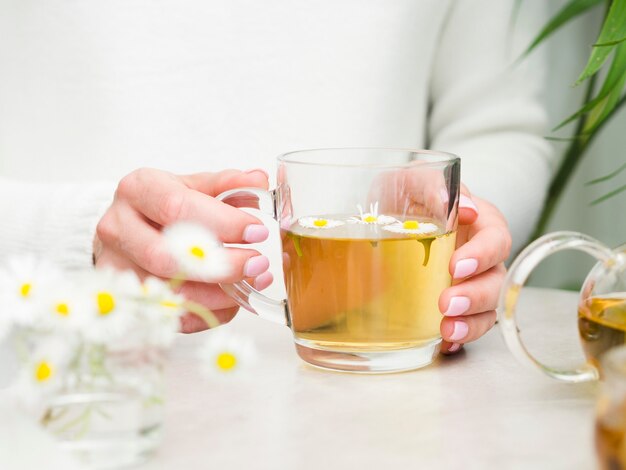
(568, 51)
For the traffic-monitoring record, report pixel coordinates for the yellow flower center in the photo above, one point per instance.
(168, 304)
(25, 289)
(411, 225)
(370, 219)
(197, 252)
(62, 309)
(226, 361)
(320, 222)
(106, 303)
(43, 371)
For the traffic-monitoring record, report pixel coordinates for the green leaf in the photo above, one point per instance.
(613, 193)
(608, 95)
(613, 174)
(568, 12)
(611, 90)
(563, 139)
(610, 43)
(613, 29)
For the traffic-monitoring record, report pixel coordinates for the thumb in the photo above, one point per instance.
(468, 211)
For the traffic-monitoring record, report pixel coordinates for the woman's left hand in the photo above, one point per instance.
(477, 269)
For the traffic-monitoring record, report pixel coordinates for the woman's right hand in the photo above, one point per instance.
(129, 234)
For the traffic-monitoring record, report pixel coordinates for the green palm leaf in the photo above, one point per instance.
(613, 174)
(607, 97)
(568, 12)
(613, 30)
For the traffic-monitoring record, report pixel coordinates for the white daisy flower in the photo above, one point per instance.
(22, 281)
(112, 308)
(224, 354)
(198, 253)
(161, 311)
(319, 222)
(46, 369)
(372, 217)
(412, 227)
(64, 307)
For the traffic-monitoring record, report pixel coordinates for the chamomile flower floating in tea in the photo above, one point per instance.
(198, 253)
(412, 227)
(319, 222)
(372, 217)
(21, 281)
(226, 354)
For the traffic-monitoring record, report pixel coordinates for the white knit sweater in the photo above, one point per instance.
(90, 90)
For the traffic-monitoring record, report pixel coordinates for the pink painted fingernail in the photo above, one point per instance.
(455, 347)
(263, 280)
(256, 265)
(460, 331)
(466, 203)
(457, 306)
(255, 233)
(260, 170)
(465, 267)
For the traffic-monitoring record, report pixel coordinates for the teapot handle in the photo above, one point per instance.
(516, 277)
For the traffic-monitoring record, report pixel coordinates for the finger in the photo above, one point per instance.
(466, 329)
(474, 295)
(245, 263)
(191, 323)
(213, 184)
(118, 261)
(166, 200)
(263, 281)
(126, 232)
(489, 245)
(468, 211)
(450, 348)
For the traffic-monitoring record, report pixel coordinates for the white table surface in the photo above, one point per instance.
(479, 409)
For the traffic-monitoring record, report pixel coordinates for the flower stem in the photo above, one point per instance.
(204, 313)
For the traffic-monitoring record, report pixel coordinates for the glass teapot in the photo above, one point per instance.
(601, 308)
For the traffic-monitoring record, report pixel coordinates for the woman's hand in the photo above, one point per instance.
(129, 234)
(477, 269)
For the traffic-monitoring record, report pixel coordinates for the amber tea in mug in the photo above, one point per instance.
(356, 287)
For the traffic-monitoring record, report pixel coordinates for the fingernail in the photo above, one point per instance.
(255, 266)
(466, 203)
(255, 233)
(263, 281)
(455, 347)
(261, 170)
(457, 306)
(465, 268)
(459, 332)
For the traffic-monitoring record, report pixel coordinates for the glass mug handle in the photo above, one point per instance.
(242, 292)
(515, 279)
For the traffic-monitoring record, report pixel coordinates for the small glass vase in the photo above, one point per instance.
(109, 411)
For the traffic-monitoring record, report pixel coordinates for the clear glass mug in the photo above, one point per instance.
(367, 235)
(601, 308)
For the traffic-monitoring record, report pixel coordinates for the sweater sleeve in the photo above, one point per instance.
(52, 220)
(488, 109)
